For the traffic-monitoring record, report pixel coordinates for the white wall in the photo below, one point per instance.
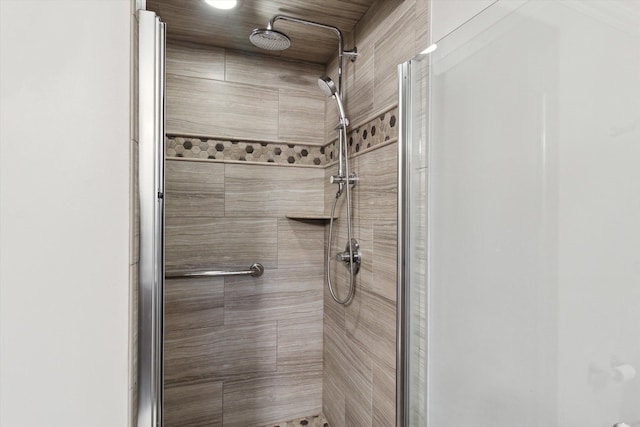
(64, 132)
(447, 15)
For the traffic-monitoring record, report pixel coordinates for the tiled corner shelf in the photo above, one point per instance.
(309, 217)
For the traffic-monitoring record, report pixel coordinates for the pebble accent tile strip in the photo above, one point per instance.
(381, 129)
(375, 132)
(219, 149)
(314, 421)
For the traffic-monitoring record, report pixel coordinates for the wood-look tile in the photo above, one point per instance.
(348, 369)
(301, 116)
(193, 405)
(300, 343)
(385, 250)
(272, 72)
(364, 234)
(395, 47)
(300, 243)
(191, 304)
(422, 26)
(212, 108)
(194, 189)
(333, 315)
(360, 85)
(253, 190)
(333, 374)
(371, 322)
(384, 396)
(378, 183)
(279, 294)
(220, 352)
(381, 18)
(135, 75)
(272, 398)
(195, 60)
(333, 392)
(220, 243)
(358, 404)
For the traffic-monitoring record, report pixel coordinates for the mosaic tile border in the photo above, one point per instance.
(375, 132)
(226, 149)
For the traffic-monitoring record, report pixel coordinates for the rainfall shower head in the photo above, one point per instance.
(327, 86)
(269, 39)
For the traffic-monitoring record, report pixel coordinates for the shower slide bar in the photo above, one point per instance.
(255, 270)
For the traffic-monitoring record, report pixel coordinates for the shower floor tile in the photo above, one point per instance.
(312, 421)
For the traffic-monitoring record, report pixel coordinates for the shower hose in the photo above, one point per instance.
(334, 295)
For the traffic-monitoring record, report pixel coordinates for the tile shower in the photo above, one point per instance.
(242, 155)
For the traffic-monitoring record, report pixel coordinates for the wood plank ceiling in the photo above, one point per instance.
(196, 22)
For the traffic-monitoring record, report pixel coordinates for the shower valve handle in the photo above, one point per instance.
(337, 179)
(346, 256)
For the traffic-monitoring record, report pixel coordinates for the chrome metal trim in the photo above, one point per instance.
(151, 40)
(353, 53)
(402, 336)
(255, 270)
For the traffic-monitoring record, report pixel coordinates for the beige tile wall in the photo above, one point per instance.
(390, 33)
(243, 351)
(228, 94)
(330, 357)
(359, 340)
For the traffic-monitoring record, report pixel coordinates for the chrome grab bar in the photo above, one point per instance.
(255, 270)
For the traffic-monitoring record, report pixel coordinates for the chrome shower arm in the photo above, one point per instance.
(314, 24)
(341, 52)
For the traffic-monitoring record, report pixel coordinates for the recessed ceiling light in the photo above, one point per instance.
(222, 4)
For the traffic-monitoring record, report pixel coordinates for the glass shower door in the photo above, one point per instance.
(524, 127)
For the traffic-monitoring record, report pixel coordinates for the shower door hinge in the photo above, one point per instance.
(160, 195)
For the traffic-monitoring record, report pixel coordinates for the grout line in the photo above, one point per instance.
(224, 186)
(236, 139)
(277, 346)
(224, 54)
(244, 162)
(368, 150)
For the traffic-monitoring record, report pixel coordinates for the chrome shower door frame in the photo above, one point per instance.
(151, 87)
(413, 108)
(401, 340)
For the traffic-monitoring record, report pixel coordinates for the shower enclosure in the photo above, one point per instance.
(226, 185)
(520, 236)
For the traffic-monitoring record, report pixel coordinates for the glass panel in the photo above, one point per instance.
(533, 310)
(416, 267)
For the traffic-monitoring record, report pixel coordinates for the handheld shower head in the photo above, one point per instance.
(269, 39)
(327, 86)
